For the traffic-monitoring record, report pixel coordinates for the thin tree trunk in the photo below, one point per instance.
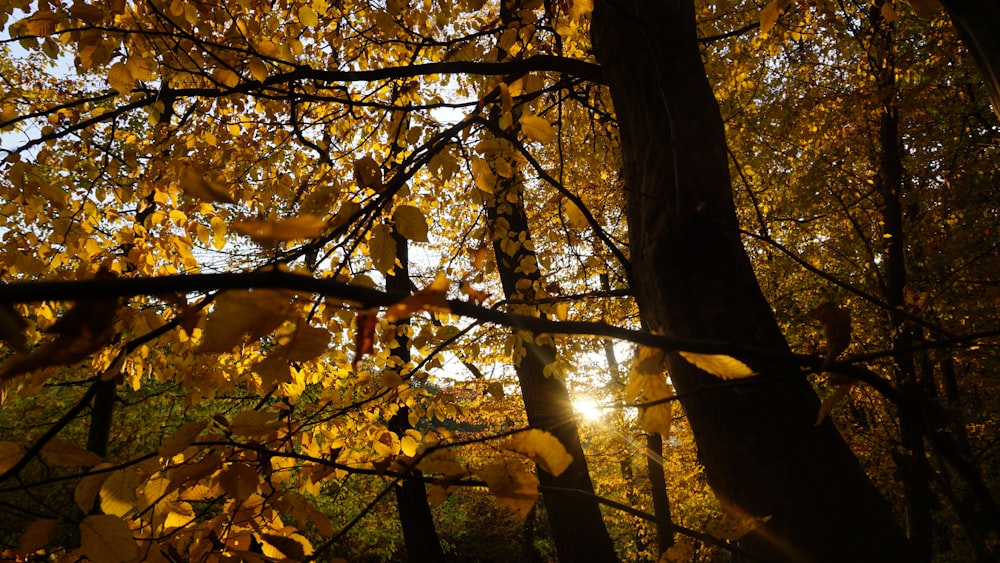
(913, 469)
(762, 453)
(577, 524)
(411, 495)
(658, 485)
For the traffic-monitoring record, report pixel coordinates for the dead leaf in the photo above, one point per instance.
(364, 336)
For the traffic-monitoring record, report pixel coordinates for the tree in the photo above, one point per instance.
(295, 147)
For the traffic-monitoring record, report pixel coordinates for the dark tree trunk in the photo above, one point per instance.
(411, 495)
(692, 278)
(977, 23)
(577, 524)
(913, 468)
(658, 484)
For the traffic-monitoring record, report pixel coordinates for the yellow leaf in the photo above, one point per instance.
(181, 439)
(769, 15)
(253, 423)
(537, 128)
(515, 488)
(120, 78)
(580, 8)
(64, 453)
(118, 492)
(719, 365)
(195, 184)
(484, 177)
(382, 248)
(10, 454)
(140, 68)
(410, 222)
(107, 538)
(408, 445)
(258, 70)
(241, 316)
(291, 228)
(36, 535)
(543, 448)
(308, 343)
(89, 487)
(657, 418)
(308, 17)
(294, 547)
(368, 173)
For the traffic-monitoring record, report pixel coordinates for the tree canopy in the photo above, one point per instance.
(265, 265)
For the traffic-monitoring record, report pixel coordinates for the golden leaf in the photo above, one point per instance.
(291, 228)
(368, 173)
(181, 439)
(89, 487)
(826, 407)
(241, 316)
(64, 453)
(537, 128)
(254, 423)
(543, 448)
(36, 535)
(294, 547)
(719, 365)
(769, 15)
(195, 184)
(410, 222)
(382, 248)
(107, 538)
(515, 488)
(308, 17)
(484, 177)
(580, 8)
(118, 495)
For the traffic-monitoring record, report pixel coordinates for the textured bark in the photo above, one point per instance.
(577, 524)
(411, 495)
(692, 278)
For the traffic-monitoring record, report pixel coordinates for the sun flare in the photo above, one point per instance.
(588, 409)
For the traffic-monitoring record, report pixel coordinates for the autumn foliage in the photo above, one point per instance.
(207, 352)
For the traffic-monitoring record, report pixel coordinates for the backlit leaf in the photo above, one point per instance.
(382, 248)
(543, 448)
(289, 228)
(241, 316)
(769, 14)
(197, 185)
(308, 17)
(239, 481)
(118, 496)
(719, 365)
(537, 128)
(514, 488)
(411, 223)
(107, 539)
(181, 439)
(86, 491)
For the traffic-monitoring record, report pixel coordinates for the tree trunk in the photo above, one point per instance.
(411, 495)
(692, 278)
(576, 521)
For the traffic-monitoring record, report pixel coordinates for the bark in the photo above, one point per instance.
(658, 485)
(411, 495)
(913, 469)
(977, 22)
(692, 278)
(577, 525)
